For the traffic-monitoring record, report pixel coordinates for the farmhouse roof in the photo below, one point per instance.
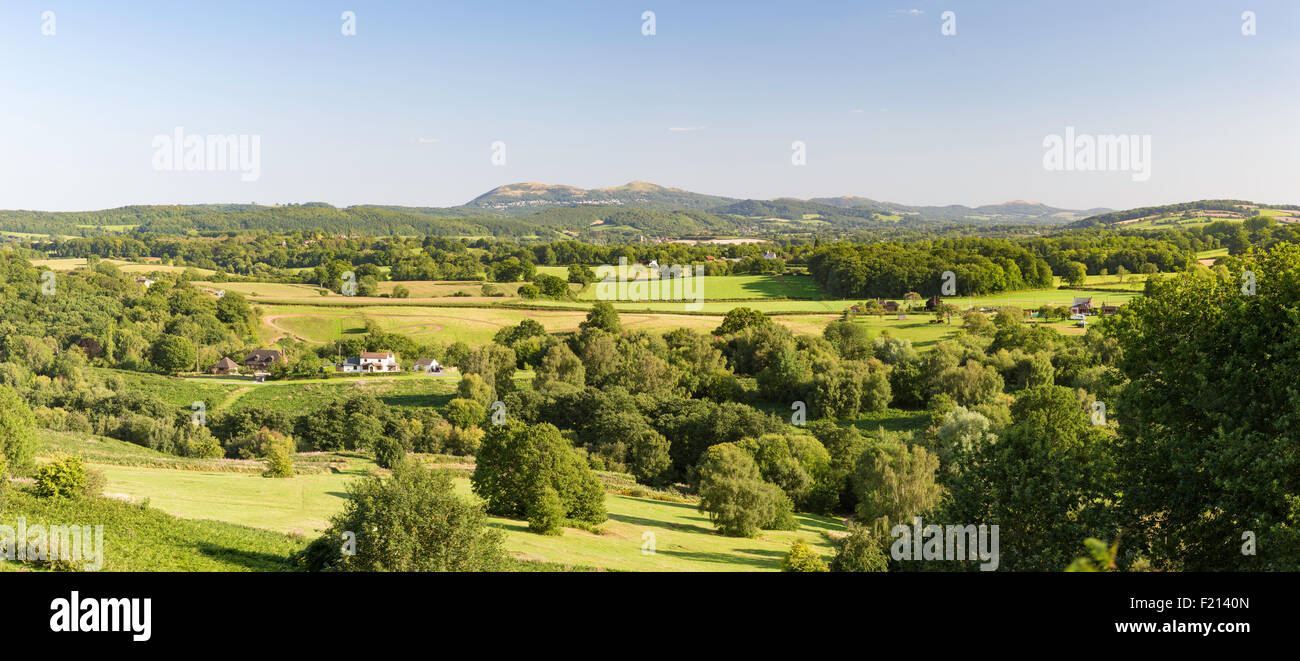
(1080, 300)
(227, 363)
(376, 354)
(264, 355)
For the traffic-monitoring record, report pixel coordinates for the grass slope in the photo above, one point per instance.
(138, 538)
(302, 505)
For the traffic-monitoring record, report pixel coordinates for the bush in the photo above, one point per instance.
(545, 511)
(205, 446)
(802, 558)
(388, 452)
(464, 441)
(860, 551)
(412, 522)
(278, 452)
(62, 478)
(516, 463)
(465, 413)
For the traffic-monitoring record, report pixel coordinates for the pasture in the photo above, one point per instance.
(71, 263)
(289, 512)
(746, 287)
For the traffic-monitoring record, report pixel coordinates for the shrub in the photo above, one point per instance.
(413, 522)
(95, 482)
(205, 446)
(860, 551)
(802, 558)
(278, 452)
(388, 452)
(545, 511)
(64, 477)
(464, 441)
(465, 413)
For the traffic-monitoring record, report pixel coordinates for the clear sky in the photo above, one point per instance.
(406, 110)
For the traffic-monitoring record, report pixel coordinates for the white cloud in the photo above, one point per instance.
(687, 128)
(911, 12)
(428, 141)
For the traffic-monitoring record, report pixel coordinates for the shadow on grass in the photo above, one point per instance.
(658, 523)
(250, 559)
(758, 558)
(785, 286)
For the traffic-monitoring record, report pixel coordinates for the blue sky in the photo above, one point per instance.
(405, 112)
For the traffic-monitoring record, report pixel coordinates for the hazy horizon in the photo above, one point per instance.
(408, 110)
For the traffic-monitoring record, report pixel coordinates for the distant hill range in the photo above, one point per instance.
(527, 197)
(634, 211)
(524, 198)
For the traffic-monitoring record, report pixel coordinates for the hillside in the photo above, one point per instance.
(140, 538)
(532, 210)
(527, 197)
(1181, 213)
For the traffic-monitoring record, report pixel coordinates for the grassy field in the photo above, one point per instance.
(295, 396)
(733, 287)
(147, 539)
(298, 396)
(177, 392)
(477, 325)
(420, 290)
(473, 325)
(70, 263)
(293, 510)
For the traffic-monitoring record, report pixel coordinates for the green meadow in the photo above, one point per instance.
(274, 517)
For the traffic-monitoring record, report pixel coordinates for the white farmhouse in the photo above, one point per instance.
(371, 361)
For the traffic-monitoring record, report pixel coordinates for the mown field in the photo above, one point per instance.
(277, 516)
(70, 263)
(741, 287)
(474, 320)
(472, 325)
